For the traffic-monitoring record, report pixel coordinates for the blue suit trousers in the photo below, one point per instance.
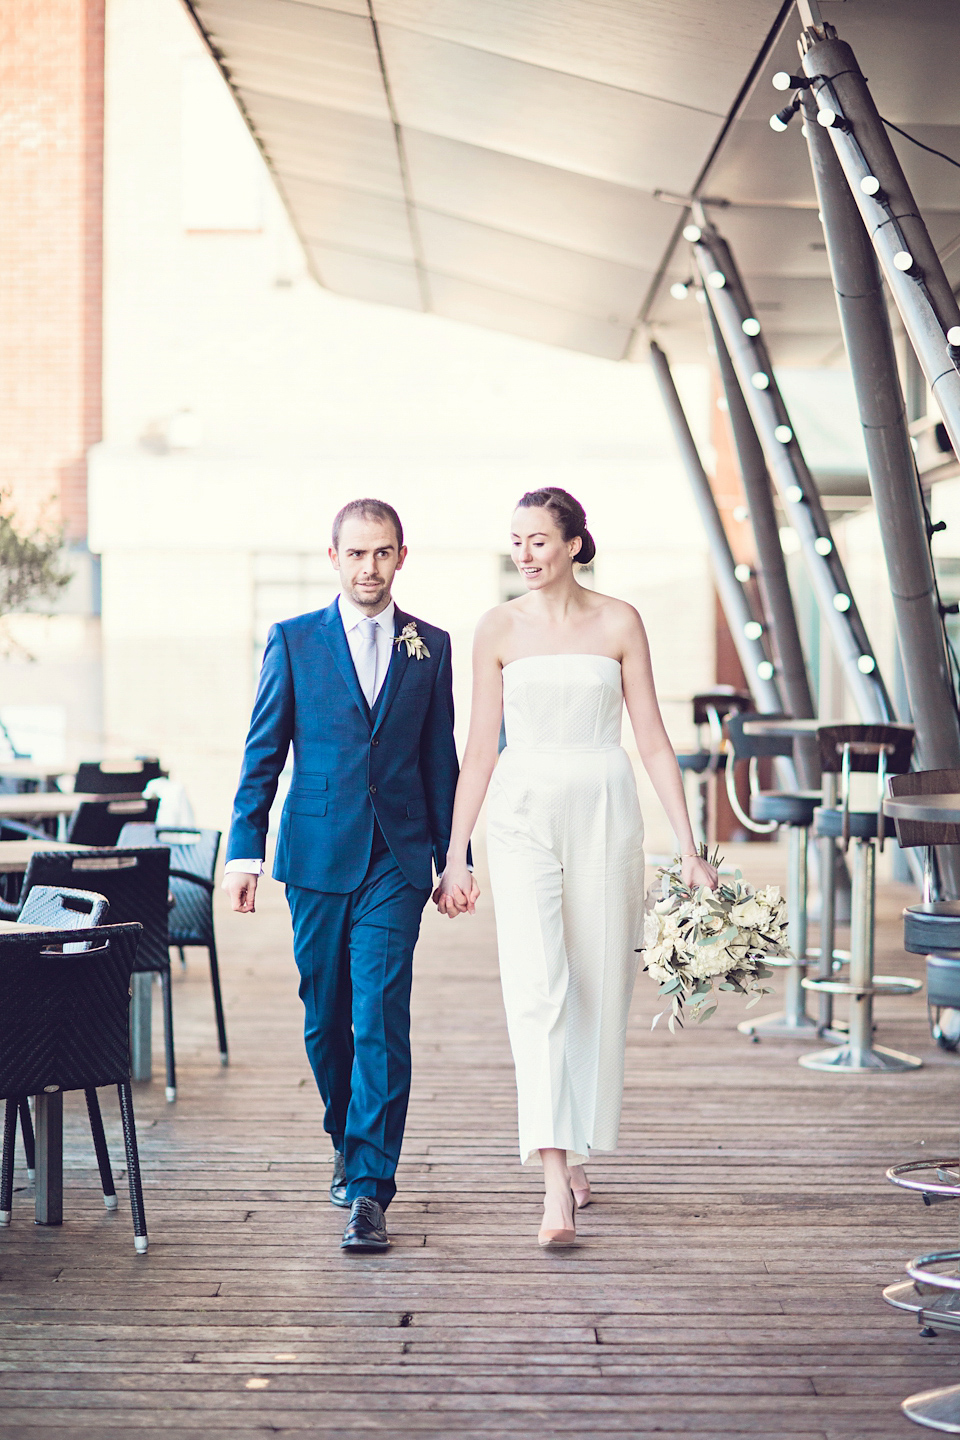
(355, 957)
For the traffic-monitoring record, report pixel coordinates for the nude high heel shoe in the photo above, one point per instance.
(555, 1239)
(581, 1195)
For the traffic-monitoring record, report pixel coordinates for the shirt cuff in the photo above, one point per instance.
(243, 867)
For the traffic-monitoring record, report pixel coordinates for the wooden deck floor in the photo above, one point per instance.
(727, 1284)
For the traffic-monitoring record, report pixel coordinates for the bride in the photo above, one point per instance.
(564, 839)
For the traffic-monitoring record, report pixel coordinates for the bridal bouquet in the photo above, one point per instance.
(693, 939)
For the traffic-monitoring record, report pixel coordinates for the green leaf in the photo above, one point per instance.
(705, 1014)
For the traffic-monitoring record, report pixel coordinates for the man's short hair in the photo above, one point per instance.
(367, 510)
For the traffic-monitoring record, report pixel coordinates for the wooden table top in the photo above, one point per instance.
(31, 770)
(937, 809)
(15, 854)
(53, 802)
(13, 927)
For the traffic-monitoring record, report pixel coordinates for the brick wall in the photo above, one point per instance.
(51, 193)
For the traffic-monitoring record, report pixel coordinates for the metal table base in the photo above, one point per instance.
(937, 1409)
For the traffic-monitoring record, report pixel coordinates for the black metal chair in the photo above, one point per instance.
(136, 883)
(101, 777)
(64, 1025)
(770, 810)
(193, 861)
(879, 750)
(99, 822)
(54, 910)
(932, 928)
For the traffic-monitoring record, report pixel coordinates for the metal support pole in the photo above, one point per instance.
(48, 1116)
(795, 485)
(793, 1022)
(756, 666)
(141, 1049)
(910, 264)
(772, 571)
(890, 464)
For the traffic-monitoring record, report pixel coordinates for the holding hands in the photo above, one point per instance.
(457, 891)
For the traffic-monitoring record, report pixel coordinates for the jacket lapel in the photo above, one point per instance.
(399, 661)
(331, 628)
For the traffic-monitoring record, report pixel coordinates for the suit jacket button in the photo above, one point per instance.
(374, 742)
(373, 789)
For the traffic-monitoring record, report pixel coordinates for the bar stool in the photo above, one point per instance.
(769, 810)
(933, 927)
(710, 710)
(878, 750)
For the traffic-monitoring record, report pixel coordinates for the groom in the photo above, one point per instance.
(363, 692)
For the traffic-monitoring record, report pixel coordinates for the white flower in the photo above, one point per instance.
(748, 912)
(651, 930)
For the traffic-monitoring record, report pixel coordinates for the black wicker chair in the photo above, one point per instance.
(54, 910)
(135, 882)
(193, 861)
(99, 822)
(98, 777)
(64, 1025)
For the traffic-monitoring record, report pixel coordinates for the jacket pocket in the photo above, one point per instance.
(308, 780)
(305, 803)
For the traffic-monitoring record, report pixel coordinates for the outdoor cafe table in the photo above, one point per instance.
(45, 775)
(42, 804)
(14, 859)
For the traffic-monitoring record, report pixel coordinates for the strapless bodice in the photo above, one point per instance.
(562, 702)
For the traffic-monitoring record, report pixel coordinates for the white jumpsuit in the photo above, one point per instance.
(564, 841)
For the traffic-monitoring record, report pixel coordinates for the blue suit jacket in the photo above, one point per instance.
(397, 762)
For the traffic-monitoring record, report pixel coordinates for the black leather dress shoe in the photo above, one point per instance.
(367, 1226)
(338, 1185)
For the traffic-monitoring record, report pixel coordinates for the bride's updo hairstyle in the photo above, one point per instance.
(568, 514)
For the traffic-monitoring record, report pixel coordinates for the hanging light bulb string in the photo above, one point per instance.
(914, 141)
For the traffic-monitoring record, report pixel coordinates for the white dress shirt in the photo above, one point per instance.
(351, 618)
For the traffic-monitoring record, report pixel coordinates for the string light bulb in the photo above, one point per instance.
(717, 279)
(784, 434)
(781, 120)
(841, 602)
(866, 664)
(753, 629)
(953, 335)
(823, 545)
(764, 670)
(742, 573)
(870, 185)
(760, 380)
(679, 290)
(903, 260)
(750, 326)
(692, 233)
(794, 494)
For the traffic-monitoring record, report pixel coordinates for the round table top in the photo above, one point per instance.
(935, 809)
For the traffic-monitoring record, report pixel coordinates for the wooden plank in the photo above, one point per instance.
(727, 1282)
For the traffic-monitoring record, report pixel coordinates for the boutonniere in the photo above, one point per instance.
(416, 645)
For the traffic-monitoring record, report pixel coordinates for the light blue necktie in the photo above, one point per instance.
(366, 661)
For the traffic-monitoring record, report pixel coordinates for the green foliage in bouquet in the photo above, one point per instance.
(695, 939)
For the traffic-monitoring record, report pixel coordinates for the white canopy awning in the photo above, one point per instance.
(511, 163)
